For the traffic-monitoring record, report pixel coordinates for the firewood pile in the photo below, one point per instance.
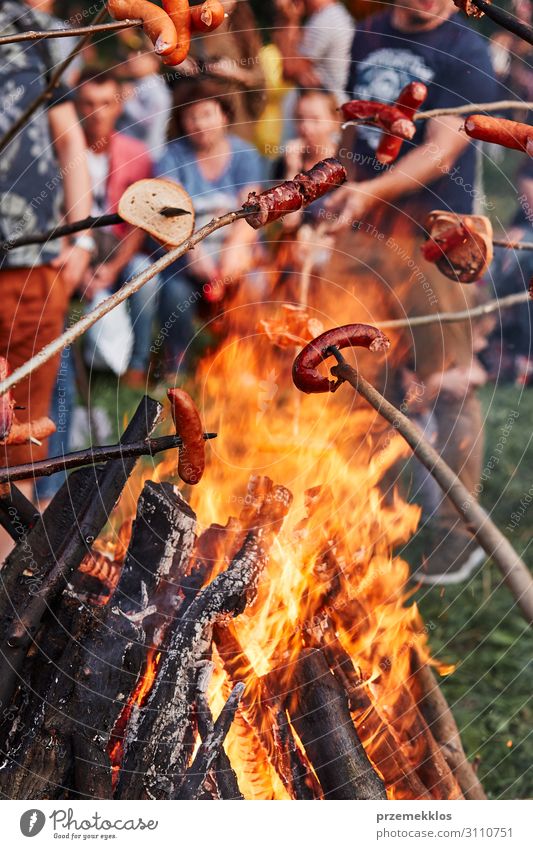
(106, 663)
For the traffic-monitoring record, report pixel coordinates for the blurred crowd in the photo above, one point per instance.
(256, 101)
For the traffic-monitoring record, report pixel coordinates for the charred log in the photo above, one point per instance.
(155, 756)
(38, 569)
(319, 712)
(210, 748)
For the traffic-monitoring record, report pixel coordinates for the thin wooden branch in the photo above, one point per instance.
(506, 20)
(436, 711)
(464, 315)
(228, 786)
(210, 748)
(52, 85)
(80, 327)
(515, 572)
(70, 32)
(93, 221)
(469, 108)
(513, 246)
(92, 457)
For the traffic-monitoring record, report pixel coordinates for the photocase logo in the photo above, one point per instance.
(32, 822)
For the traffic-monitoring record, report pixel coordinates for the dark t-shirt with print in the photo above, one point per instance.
(453, 61)
(31, 195)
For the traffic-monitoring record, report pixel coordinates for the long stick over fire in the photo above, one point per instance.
(307, 378)
(258, 211)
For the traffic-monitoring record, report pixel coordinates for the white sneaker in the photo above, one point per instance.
(452, 575)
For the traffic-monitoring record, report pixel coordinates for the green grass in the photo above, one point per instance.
(480, 628)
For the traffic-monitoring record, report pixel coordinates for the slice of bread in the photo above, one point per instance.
(141, 206)
(466, 262)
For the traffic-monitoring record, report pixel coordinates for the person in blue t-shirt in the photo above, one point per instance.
(380, 216)
(218, 170)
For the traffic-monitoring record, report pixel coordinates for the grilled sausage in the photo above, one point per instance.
(189, 426)
(305, 375)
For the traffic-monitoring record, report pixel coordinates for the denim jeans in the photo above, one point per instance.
(61, 410)
(143, 308)
(178, 304)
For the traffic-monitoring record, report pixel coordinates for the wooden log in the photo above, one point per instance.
(17, 514)
(319, 712)
(38, 570)
(301, 782)
(155, 755)
(224, 775)
(158, 555)
(403, 714)
(210, 748)
(397, 772)
(436, 712)
(104, 653)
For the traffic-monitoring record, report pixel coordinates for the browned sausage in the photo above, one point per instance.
(388, 118)
(291, 195)
(305, 375)
(510, 134)
(156, 23)
(207, 17)
(180, 15)
(189, 426)
(409, 100)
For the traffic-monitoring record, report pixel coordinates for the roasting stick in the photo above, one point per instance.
(92, 29)
(505, 20)
(464, 315)
(105, 307)
(52, 85)
(468, 108)
(515, 572)
(107, 220)
(92, 457)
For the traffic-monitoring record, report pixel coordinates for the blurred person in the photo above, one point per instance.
(116, 161)
(316, 53)
(47, 19)
(218, 169)
(231, 54)
(509, 356)
(147, 100)
(317, 123)
(43, 180)
(380, 215)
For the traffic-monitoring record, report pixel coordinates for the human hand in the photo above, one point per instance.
(349, 203)
(235, 261)
(291, 11)
(457, 382)
(73, 262)
(415, 391)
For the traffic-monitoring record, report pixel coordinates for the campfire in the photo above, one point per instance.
(250, 637)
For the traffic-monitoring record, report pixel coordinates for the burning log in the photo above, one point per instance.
(17, 514)
(224, 776)
(387, 751)
(98, 658)
(210, 748)
(437, 714)
(319, 712)
(426, 754)
(155, 751)
(39, 568)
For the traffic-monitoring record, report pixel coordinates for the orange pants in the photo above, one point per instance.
(33, 305)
